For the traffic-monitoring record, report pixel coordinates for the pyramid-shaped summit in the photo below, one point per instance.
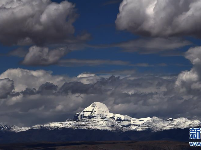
(95, 110)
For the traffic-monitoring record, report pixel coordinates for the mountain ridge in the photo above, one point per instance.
(98, 117)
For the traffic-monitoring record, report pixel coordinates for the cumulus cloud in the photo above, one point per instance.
(42, 56)
(31, 79)
(190, 81)
(160, 18)
(152, 45)
(194, 55)
(6, 87)
(25, 22)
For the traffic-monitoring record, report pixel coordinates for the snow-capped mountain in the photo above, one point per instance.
(5, 127)
(97, 116)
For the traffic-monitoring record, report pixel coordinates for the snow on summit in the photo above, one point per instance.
(97, 116)
(95, 109)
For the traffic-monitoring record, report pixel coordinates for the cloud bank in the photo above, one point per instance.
(32, 97)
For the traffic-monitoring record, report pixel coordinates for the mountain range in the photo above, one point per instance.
(96, 123)
(97, 117)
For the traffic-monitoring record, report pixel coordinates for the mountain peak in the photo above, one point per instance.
(99, 105)
(95, 110)
(97, 116)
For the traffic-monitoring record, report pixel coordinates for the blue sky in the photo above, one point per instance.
(98, 19)
(58, 57)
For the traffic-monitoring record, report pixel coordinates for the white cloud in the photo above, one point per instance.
(194, 55)
(25, 22)
(160, 17)
(39, 56)
(31, 79)
(190, 81)
(85, 75)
